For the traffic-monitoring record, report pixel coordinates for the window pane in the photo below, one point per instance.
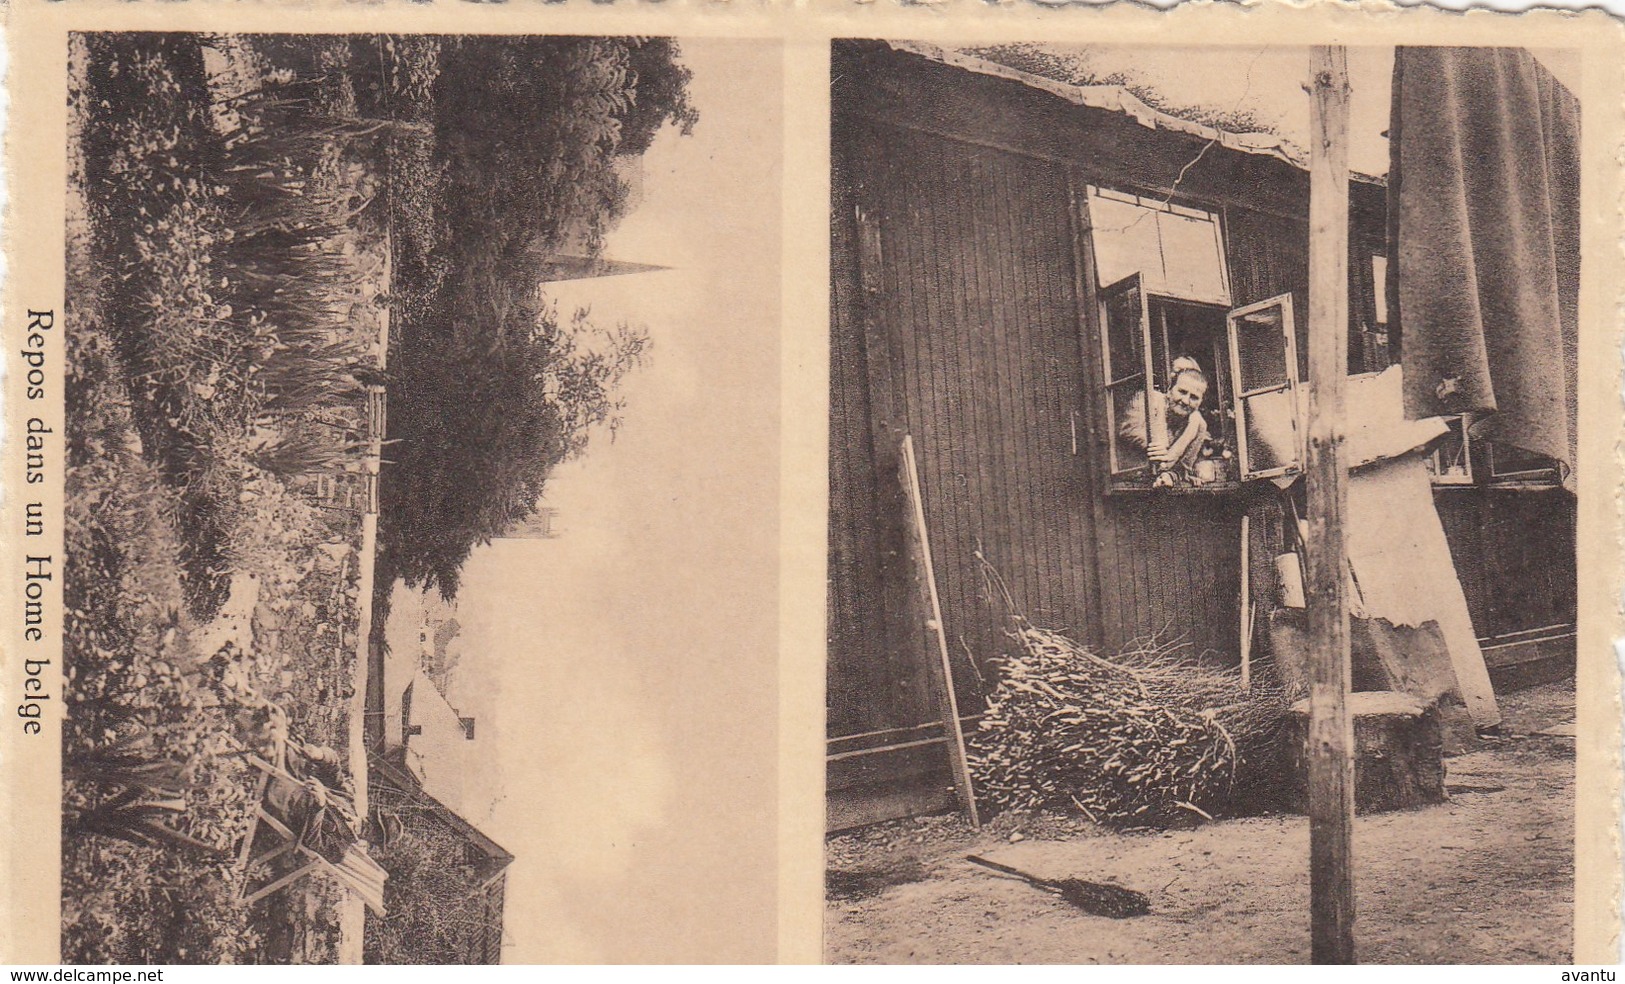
(1128, 425)
(1508, 460)
(1261, 349)
(1191, 262)
(1272, 441)
(1177, 250)
(1126, 241)
(1123, 335)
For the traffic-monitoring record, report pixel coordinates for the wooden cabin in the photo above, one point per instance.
(1012, 259)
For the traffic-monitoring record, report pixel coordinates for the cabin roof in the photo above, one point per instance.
(438, 754)
(497, 857)
(1118, 99)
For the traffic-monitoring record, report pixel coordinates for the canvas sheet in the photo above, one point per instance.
(1402, 568)
(1486, 226)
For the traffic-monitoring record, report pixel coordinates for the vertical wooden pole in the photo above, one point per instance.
(1246, 637)
(1331, 769)
(942, 676)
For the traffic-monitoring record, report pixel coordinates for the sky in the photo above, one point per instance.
(1268, 81)
(624, 675)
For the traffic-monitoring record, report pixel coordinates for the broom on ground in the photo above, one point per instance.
(1095, 898)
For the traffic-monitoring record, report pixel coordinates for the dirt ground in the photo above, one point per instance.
(1486, 878)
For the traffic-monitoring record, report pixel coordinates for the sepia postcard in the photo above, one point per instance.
(499, 484)
(1073, 448)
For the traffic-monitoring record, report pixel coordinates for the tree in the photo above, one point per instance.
(491, 388)
(483, 415)
(660, 88)
(531, 128)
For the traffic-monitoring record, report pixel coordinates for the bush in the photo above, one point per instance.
(131, 670)
(230, 295)
(482, 418)
(123, 904)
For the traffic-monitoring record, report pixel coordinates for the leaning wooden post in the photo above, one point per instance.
(941, 673)
(1331, 735)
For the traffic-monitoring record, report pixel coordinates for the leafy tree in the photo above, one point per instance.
(531, 128)
(485, 413)
(491, 388)
(660, 82)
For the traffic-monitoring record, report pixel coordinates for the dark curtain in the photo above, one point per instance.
(1484, 215)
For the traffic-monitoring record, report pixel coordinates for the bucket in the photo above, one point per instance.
(1289, 575)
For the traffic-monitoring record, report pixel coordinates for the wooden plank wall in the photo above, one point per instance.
(1514, 551)
(979, 305)
(1173, 566)
(873, 685)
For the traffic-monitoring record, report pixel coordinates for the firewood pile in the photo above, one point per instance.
(1149, 737)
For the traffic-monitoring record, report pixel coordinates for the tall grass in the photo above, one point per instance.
(213, 360)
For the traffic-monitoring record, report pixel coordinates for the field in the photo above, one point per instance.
(227, 297)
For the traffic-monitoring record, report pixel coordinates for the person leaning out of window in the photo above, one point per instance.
(1177, 429)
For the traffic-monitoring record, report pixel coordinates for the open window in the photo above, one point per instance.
(1264, 362)
(1450, 462)
(1370, 350)
(1127, 361)
(1144, 340)
(1458, 458)
(1165, 303)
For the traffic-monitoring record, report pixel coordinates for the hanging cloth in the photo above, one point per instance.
(1484, 217)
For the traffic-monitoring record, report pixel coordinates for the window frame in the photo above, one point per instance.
(1136, 478)
(1544, 477)
(1440, 478)
(1122, 478)
(1151, 202)
(1481, 470)
(1240, 395)
(1143, 376)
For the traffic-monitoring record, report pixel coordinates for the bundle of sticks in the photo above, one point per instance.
(1153, 735)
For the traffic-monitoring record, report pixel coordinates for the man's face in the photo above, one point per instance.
(1186, 394)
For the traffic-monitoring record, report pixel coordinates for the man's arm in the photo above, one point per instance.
(1195, 432)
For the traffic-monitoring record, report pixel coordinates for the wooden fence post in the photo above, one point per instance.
(1331, 769)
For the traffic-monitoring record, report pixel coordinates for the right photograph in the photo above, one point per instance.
(1202, 555)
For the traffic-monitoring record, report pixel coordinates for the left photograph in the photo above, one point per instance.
(421, 504)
